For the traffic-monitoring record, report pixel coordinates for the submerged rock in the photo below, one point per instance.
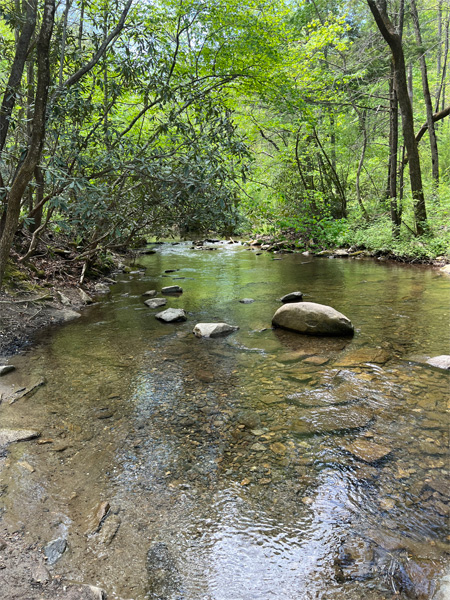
(442, 362)
(172, 289)
(292, 297)
(312, 319)
(361, 356)
(246, 300)
(163, 576)
(155, 302)
(367, 451)
(97, 518)
(54, 550)
(172, 315)
(332, 419)
(213, 329)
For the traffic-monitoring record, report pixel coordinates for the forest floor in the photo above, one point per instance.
(50, 287)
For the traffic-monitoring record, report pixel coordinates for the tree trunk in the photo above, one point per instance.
(393, 39)
(25, 171)
(393, 157)
(15, 76)
(427, 97)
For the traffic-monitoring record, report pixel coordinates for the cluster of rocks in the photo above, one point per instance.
(307, 318)
(177, 315)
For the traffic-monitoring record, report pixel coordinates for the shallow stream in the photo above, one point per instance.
(242, 468)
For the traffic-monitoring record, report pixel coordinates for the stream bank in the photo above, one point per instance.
(216, 456)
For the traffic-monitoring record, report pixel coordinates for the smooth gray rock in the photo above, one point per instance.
(312, 319)
(85, 296)
(172, 289)
(442, 361)
(292, 297)
(156, 302)
(150, 293)
(63, 299)
(9, 436)
(101, 288)
(246, 300)
(4, 369)
(172, 315)
(54, 550)
(213, 329)
(67, 314)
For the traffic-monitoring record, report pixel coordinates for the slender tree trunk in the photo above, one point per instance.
(63, 41)
(393, 157)
(15, 77)
(25, 171)
(393, 39)
(427, 96)
(360, 165)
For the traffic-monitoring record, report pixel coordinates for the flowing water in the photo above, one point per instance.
(242, 468)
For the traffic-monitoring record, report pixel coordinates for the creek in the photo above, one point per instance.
(241, 468)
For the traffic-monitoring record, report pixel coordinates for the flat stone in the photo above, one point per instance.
(155, 302)
(84, 592)
(431, 448)
(150, 293)
(4, 369)
(278, 448)
(332, 419)
(109, 530)
(258, 447)
(362, 356)
(439, 485)
(172, 315)
(442, 362)
(67, 314)
(54, 550)
(40, 574)
(311, 318)
(85, 298)
(101, 288)
(367, 451)
(292, 297)
(205, 376)
(96, 519)
(172, 289)
(246, 300)
(9, 436)
(316, 360)
(213, 329)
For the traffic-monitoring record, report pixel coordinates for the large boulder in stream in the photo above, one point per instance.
(213, 329)
(312, 319)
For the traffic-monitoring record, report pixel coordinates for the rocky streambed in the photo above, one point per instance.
(264, 464)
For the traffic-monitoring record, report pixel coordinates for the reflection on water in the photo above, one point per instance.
(265, 465)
